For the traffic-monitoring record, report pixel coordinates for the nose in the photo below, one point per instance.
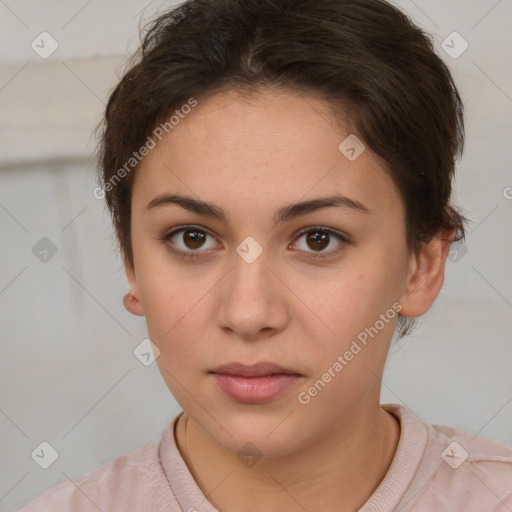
(253, 299)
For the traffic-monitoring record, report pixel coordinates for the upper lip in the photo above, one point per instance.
(255, 370)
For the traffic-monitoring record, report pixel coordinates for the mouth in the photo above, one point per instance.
(254, 384)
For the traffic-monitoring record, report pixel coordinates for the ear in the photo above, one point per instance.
(426, 275)
(132, 299)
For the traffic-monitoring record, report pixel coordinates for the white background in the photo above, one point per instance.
(67, 369)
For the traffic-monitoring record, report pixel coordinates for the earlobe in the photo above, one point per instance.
(426, 275)
(133, 305)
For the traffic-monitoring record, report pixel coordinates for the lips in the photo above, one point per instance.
(256, 384)
(262, 369)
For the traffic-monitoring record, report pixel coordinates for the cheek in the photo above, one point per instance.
(165, 288)
(348, 358)
(173, 326)
(171, 298)
(171, 309)
(352, 299)
(179, 306)
(352, 313)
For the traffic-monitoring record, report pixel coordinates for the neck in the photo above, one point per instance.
(338, 473)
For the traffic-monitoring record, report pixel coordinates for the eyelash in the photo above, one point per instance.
(196, 254)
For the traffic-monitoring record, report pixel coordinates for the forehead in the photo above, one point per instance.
(261, 151)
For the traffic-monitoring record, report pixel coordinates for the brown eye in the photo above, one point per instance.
(193, 239)
(189, 241)
(317, 240)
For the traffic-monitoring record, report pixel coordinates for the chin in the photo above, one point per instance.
(261, 436)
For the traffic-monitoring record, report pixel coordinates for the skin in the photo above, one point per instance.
(277, 147)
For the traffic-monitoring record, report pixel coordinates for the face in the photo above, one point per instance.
(294, 287)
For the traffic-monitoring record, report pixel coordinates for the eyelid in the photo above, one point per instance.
(331, 231)
(185, 227)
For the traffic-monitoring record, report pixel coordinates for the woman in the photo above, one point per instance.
(279, 177)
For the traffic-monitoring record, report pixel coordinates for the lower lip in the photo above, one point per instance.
(254, 390)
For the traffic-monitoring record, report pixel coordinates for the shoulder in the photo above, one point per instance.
(461, 449)
(476, 473)
(125, 481)
(463, 471)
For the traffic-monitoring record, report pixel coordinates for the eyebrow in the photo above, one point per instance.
(284, 213)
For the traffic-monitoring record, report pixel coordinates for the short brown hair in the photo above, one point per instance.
(365, 57)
